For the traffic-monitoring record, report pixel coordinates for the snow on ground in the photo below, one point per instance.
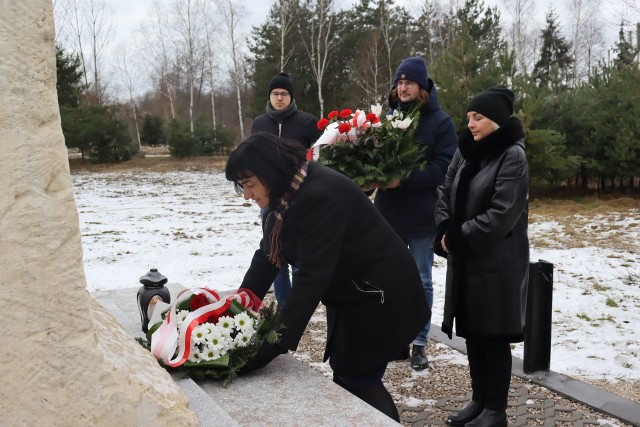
(197, 231)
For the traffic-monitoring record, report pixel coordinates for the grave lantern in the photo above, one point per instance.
(151, 292)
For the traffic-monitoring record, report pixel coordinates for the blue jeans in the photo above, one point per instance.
(420, 248)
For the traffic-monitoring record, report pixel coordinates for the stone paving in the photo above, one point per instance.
(543, 398)
(524, 409)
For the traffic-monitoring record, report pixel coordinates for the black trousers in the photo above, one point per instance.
(490, 370)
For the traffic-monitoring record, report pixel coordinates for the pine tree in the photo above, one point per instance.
(379, 36)
(626, 53)
(555, 62)
(152, 131)
(69, 77)
(478, 58)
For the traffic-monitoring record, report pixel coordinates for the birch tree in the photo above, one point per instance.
(123, 58)
(87, 27)
(100, 25)
(320, 40)
(232, 13)
(157, 53)
(286, 11)
(209, 57)
(388, 37)
(585, 35)
(522, 36)
(189, 27)
(77, 30)
(369, 67)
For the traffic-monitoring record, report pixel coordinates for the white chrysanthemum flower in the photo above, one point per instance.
(210, 353)
(218, 342)
(200, 334)
(181, 316)
(243, 322)
(195, 355)
(242, 339)
(225, 325)
(209, 327)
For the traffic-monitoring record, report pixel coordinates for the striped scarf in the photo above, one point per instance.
(274, 218)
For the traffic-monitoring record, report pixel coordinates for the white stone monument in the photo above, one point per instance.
(64, 360)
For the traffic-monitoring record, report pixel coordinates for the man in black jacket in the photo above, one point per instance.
(283, 119)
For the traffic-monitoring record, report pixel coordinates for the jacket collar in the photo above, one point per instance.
(492, 145)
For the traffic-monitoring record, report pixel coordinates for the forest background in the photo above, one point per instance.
(190, 78)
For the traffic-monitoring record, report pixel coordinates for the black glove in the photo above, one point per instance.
(266, 354)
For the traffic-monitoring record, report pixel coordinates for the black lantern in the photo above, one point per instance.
(151, 292)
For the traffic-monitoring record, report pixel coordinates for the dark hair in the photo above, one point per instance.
(271, 159)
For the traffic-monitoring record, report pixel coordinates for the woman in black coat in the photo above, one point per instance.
(481, 216)
(346, 256)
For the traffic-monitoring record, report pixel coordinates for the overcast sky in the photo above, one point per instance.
(129, 13)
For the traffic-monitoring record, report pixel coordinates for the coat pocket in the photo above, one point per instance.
(367, 288)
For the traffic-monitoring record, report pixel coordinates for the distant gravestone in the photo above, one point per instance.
(65, 361)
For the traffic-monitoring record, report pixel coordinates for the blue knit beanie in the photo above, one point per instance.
(414, 69)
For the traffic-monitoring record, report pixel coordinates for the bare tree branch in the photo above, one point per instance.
(232, 13)
(321, 40)
(123, 58)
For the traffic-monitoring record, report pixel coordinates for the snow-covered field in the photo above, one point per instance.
(197, 231)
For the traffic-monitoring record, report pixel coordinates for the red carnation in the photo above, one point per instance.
(333, 114)
(344, 127)
(345, 113)
(373, 118)
(310, 154)
(198, 301)
(323, 123)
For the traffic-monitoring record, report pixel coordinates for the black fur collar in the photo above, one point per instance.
(493, 144)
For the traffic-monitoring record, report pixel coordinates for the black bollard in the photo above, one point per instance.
(537, 328)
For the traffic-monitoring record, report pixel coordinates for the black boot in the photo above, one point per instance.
(419, 359)
(490, 418)
(466, 414)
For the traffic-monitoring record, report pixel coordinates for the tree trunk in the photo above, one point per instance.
(240, 120)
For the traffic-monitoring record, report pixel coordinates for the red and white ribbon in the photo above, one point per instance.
(166, 339)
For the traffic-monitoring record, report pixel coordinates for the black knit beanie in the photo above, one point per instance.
(414, 69)
(281, 81)
(495, 103)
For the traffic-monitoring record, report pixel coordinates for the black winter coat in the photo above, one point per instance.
(483, 209)
(410, 207)
(300, 127)
(348, 258)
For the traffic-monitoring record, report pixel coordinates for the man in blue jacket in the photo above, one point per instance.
(283, 119)
(409, 205)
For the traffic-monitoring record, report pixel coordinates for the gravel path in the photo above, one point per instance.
(446, 377)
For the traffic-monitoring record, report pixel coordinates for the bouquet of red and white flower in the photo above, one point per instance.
(370, 149)
(207, 336)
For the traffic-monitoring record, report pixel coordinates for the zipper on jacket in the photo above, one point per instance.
(279, 129)
(371, 289)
